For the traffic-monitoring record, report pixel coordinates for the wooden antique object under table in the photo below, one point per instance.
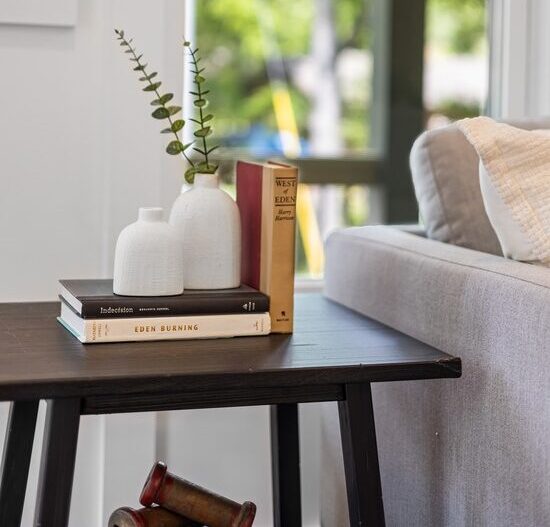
(333, 355)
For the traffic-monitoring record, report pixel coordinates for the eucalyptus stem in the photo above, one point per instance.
(204, 128)
(164, 111)
(200, 94)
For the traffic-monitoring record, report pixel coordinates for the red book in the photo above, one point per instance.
(249, 200)
(266, 196)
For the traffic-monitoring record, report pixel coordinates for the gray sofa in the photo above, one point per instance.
(468, 452)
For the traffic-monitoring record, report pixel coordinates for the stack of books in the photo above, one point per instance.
(266, 197)
(93, 313)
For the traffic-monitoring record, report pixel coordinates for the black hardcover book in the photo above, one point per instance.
(95, 299)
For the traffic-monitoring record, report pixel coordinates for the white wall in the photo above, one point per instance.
(79, 154)
(78, 151)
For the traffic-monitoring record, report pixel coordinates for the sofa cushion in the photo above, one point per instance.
(444, 167)
(446, 182)
(514, 178)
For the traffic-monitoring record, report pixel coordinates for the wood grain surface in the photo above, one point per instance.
(331, 345)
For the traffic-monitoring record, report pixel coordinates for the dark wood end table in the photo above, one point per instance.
(333, 355)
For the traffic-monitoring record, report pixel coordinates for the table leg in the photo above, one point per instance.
(361, 457)
(285, 463)
(57, 463)
(16, 460)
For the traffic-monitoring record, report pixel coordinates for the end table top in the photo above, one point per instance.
(331, 345)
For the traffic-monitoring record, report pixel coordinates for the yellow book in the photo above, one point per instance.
(266, 195)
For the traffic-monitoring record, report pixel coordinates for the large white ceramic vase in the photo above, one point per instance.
(148, 257)
(209, 225)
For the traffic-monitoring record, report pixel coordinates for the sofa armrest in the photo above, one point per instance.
(452, 452)
(447, 296)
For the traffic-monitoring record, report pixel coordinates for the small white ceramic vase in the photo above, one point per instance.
(209, 224)
(148, 257)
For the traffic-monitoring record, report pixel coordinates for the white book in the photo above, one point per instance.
(91, 331)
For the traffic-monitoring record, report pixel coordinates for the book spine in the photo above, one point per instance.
(249, 201)
(175, 328)
(251, 303)
(279, 191)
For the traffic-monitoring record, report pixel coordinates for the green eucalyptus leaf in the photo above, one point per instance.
(149, 77)
(206, 168)
(137, 59)
(200, 103)
(161, 113)
(173, 109)
(187, 43)
(177, 125)
(203, 132)
(199, 79)
(203, 166)
(162, 100)
(212, 149)
(202, 152)
(190, 174)
(207, 118)
(140, 67)
(152, 87)
(174, 148)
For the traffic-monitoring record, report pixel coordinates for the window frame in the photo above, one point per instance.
(397, 111)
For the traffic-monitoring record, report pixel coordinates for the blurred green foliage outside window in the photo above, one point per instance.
(319, 53)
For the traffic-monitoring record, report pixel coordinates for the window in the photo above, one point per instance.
(336, 87)
(456, 60)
